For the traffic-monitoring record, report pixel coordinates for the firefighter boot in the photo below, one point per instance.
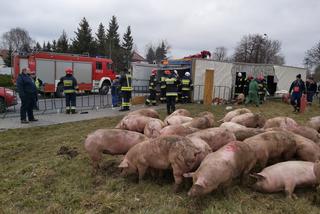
(68, 110)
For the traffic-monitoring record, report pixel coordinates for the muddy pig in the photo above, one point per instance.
(110, 141)
(135, 123)
(232, 114)
(249, 120)
(220, 167)
(203, 121)
(177, 130)
(148, 112)
(281, 122)
(178, 112)
(214, 137)
(175, 152)
(307, 150)
(241, 132)
(285, 176)
(272, 145)
(177, 120)
(153, 128)
(314, 122)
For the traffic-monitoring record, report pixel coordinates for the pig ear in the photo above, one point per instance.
(201, 182)
(257, 176)
(188, 175)
(124, 164)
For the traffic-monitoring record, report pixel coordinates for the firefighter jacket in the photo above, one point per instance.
(163, 82)
(125, 82)
(172, 86)
(186, 84)
(240, 85)
(262, 86)
(38, 83)
(152, 82)
(246, 87)
(70, 84)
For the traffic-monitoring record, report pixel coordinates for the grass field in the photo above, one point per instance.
(34, 179)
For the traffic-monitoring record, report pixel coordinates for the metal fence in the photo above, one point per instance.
(220, 92)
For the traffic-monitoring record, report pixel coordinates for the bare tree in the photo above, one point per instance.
(220, 54)
(18, 39)
(258, 49)
(313, 56)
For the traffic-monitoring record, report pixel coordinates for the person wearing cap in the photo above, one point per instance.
(27, 91)
(171, 91)
(126, 89)
(297, 88)
(311, 87)
(152, 99)
(253, 92)
(239, 87)
(115, 91)
(70, 86)
(163, 87)
(186, 88)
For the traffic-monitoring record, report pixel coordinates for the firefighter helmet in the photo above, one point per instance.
(167, 72)
(154, 72)
(187, 74)
(239, 74)
(69, 71)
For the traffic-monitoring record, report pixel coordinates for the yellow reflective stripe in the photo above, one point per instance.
(125, 104)
(171, 94)
(67, 82)
(73, 107)
(126, 88)
(185, 82)
(69, 91)
(185, 89)
(163, 86)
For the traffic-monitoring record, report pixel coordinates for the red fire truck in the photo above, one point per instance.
(93, 74)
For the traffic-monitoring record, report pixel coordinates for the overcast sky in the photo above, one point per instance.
(188, 26)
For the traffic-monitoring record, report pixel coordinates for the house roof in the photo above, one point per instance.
(137, 57)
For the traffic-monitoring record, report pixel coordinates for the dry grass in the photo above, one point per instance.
(34, 179)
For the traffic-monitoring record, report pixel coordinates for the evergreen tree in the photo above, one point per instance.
(161, 52)
(44, 46)
(38, 47)
(63, 43)
(101, 40)
(49, 47)
(151, 55)
(7, 60)
(83, 43)
(54, 46)
(127, 46)
(113, 45)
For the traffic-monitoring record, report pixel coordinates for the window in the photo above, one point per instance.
(98, 65)
(109, 66)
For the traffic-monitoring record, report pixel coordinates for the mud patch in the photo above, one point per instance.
(110, 168)
(68, 152)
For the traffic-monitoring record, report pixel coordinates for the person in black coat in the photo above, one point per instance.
(311, 86)
(27, 92)
(297, 88)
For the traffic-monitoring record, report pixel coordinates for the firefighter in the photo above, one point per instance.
(253, 92)
(246, 86)
(163, 87)
(297, 88)
(38, 83)
(70, 87)
(240, 84)
(187, 87)
(171, 91)
(262, 88)
(152, 88)
(126, 89)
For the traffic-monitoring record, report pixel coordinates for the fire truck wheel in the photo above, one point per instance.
(59, 92)
(104, 88)
(3, 106)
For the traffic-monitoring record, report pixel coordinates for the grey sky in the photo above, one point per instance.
(188, 26)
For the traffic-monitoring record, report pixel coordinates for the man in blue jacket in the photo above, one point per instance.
(297, 88)
(27, 92)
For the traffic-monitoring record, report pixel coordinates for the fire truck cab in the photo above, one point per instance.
(93, 74)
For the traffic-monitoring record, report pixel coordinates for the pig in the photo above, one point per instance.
(214, 137)
(177, 130)
(203, 121)
(135, 123)
(240, 99)
(272, 145)
(110, 141)
(307, 150)
(175, 152)
(281, 122)
(316, 170)
(177, 120)
(219, 168)
(148, 112)
(232, 114)
(178, 112)
(285, 176)
(241, 132)
(249, 120)
(314, 122)
(153, 128)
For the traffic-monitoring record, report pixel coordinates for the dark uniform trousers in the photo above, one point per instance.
(152, 97)
(27, 104)
(70, 100)
(171, 104)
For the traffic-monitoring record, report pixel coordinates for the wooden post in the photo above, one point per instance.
(208, 87)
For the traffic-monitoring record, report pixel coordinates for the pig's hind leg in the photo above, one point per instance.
(288, 189)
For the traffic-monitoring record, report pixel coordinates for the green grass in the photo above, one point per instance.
(34, 179)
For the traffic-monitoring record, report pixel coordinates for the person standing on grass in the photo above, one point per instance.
(253, 92)
(27, 92)
(297, 88)
(311, 86)
(171, 91)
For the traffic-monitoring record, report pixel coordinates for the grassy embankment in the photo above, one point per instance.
(34, 179)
